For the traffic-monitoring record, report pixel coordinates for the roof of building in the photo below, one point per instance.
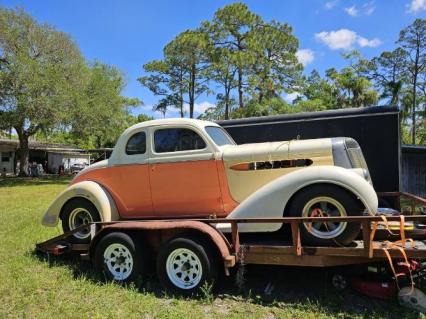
(42, 146)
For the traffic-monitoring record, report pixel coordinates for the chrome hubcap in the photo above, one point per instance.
(119, 261)
(184, 268)
(78, 217)
(324, 206)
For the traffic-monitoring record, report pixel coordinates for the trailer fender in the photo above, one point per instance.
(216, 237)
(271, 199)
(89, 190)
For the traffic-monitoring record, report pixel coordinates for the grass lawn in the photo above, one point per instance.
(33, 287)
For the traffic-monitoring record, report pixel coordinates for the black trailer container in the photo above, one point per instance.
(375, 128)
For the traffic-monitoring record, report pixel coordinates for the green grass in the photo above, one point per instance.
(34, 287)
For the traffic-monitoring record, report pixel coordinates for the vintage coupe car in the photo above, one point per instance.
(176, 168)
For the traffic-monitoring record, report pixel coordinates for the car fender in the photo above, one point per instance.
(271, 199)
(90, 190)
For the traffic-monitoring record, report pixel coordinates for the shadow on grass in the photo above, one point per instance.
(298, 287)
(34, 181)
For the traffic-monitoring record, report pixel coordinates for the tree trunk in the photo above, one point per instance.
(240, 88)
(23, 153)
(192, 92)
(182, 114)
(227, 93)
(413, 114)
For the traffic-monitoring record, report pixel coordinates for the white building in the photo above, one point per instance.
(51, 156)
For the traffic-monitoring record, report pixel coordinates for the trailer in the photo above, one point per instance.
(189, 252)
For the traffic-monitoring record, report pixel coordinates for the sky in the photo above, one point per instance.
(129, 34)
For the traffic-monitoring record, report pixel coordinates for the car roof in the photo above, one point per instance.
(173, 121)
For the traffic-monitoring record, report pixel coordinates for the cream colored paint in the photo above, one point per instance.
(243, 183)
(271, 199)
(89, 190)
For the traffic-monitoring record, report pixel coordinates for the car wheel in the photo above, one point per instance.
(185, 265)
(329, 201)
(75, 213)
(117, 256)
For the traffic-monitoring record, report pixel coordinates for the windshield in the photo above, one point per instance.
(219, 136)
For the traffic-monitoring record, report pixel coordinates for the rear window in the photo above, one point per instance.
(176, 140)
(136, 144)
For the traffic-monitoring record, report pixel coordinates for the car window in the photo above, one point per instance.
(136, 144)
(177, 139)
(219, 136)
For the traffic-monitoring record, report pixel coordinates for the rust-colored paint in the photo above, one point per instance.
(241, 167)
(179, 189)
(186, 188)
(128, 185)
(229, 203)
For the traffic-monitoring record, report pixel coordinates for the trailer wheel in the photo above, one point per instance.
(77, 212)
(329, 201)
(117, 256)
(339, 281)
(184, 265)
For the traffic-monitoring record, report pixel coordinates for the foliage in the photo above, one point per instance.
(102, 115)
(231, 31)
(41, 76)
(387, 71)
(180, 77)
(236, 50)
(255, 59)
(413, 40)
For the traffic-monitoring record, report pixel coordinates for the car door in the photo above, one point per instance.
(131, 188)
(183, 173)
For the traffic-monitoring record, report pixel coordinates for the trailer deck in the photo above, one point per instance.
(235, 248)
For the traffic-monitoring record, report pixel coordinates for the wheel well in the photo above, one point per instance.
(289, 202)
(61, 213)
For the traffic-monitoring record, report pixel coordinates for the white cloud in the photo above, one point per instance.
(345, 39)
(290, 97)
(352, 11)
(368, 8)
(305, 56)
(335, 40)
(416, 6)
(331, 4)
(199, 108)
(373, 43)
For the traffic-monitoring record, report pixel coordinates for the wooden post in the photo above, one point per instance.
(366, 230)
(295, 234)
(235, 238)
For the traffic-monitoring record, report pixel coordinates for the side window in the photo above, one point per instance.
(136, 144)
(177, 139)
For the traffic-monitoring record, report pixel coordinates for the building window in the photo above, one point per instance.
(177, 139)
(136, 144)
(5, 156)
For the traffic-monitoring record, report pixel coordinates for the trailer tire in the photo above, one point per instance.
(332, 200)
(75, 213)
(119, 258)
(184, 265)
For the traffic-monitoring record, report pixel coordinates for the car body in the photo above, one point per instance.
(77, 167)
(176, 168)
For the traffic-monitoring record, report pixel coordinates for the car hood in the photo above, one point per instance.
(273, 151)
